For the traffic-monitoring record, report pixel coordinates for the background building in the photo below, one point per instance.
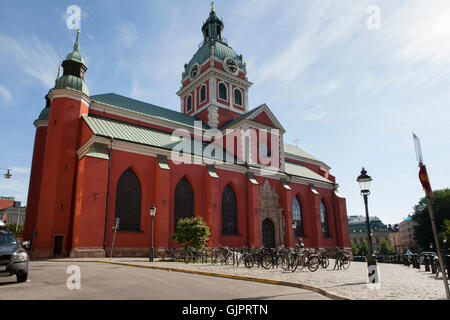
(406, 235)
(380, 231)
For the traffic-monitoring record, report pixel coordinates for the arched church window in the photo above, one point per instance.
(229, 211)
(298, 217)
(128, 201)
(324, 220)
(203, 93)
(183, 201)
(189, 104)
(223, 91)
(238, 97)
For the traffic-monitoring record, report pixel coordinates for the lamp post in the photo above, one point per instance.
(7, 174)
(364, 183)
(152, 214)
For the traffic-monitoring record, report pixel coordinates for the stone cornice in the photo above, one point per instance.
(67, 93)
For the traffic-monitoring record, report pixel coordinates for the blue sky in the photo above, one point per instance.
(350, 94)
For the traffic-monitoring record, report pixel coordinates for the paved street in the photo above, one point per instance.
(47, 280)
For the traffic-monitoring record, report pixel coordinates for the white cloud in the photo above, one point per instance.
(37, 59)
(5, 93)
(127, 34)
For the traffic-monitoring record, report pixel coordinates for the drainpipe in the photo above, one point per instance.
(335, 219)
(107, 191)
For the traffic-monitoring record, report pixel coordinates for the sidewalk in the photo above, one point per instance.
(398, 282)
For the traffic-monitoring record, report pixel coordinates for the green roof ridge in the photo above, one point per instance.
(130, 104)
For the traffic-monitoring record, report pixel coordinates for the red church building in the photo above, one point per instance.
(107, 156)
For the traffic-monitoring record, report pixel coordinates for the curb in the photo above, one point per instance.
(236, 277)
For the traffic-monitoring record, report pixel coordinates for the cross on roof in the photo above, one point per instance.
(296, 140)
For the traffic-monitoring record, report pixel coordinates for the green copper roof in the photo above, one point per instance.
(137, 106)
(301, 171)
(44, 114)
(136, 134)
(221, 51)
(298, 152)
(72, 83)
(75, 55)
(132, 133)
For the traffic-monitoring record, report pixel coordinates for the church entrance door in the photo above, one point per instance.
(268, 234)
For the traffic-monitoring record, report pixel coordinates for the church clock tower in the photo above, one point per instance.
(214, 85)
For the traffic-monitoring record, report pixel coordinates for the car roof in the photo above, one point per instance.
(4, 232)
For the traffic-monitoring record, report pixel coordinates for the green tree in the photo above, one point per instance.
(364, 248)
(385, 248)
(12, 228)
(354, 247)
(423, 232)
(444, 234)
(192, 231)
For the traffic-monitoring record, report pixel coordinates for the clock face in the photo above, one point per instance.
(230, 65)
(194, 71)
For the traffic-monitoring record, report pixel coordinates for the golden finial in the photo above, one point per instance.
(212, 5)
(78, 31)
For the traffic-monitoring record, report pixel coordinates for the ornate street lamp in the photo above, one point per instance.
(7, 174)
(364, 184)
(152, 214)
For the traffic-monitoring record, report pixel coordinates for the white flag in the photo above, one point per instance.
(418, 148)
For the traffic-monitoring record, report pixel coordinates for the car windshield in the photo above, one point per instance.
(7, 240)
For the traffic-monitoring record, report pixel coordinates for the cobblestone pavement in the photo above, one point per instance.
(398, 282)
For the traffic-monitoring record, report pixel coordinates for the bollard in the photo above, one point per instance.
(433, 265)
(447, 264)
(427, 263)
(416, 263)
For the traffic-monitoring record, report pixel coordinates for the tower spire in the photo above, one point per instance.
(76, 46)
(212, 5)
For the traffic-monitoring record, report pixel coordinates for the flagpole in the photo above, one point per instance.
(441, 261)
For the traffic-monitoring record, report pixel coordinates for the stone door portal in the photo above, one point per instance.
(272, 211)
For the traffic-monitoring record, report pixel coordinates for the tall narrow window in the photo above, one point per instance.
(298, 218)
(203, 93)
(229, 211)
(324, 220)
(237, 97)
(183, 201)
(189, 104)
(223, 91)
(128, 201)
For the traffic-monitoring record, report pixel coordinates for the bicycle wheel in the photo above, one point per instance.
(301, 262)
(313, 263)
(266, 261)
(294, 262)
(345, 263)
(325, 262)
(249, 261)
(285, 263)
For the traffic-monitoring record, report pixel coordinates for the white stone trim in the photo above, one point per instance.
(153, 152)
(66, 93)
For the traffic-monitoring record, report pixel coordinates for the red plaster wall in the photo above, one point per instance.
(35, 182)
